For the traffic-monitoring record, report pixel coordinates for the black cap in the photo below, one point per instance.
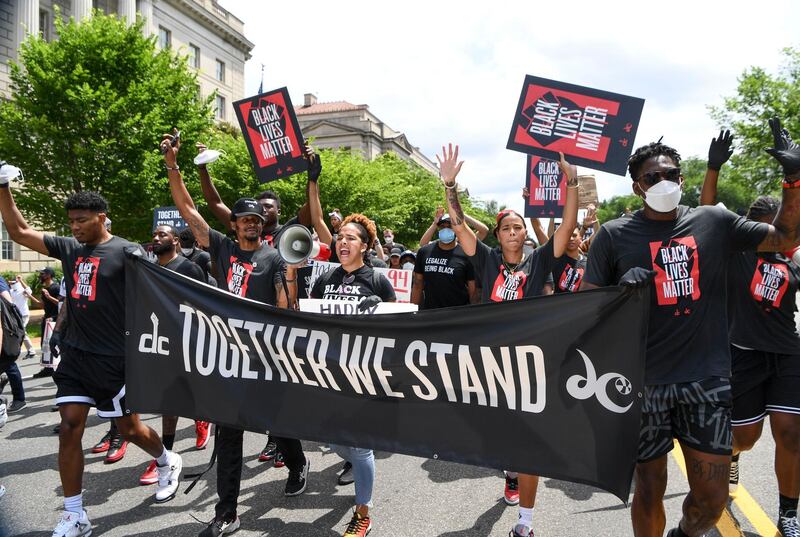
(444, 218)
(245, 207)
(47, 270)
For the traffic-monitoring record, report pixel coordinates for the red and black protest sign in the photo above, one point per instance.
(547, 188)
(593, 128)
(272, 134)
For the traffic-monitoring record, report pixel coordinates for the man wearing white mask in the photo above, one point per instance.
(443, 274)
(687, 395)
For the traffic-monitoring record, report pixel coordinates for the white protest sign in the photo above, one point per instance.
(350, 307)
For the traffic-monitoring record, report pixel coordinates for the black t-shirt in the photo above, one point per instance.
(184, 266)
(201, 259)
(568, 273)
(762, 289)
(361, 283)
(251, 274)
(51, 308)
(688, 327)
(378, 263)
(445, 273)
(95, 282)
(498, 284)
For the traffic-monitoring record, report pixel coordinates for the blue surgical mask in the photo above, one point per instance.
(447, 235)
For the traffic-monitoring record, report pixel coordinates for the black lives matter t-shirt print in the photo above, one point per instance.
(677, 269)
(238, 276)
(568, 273)
(769, 284)
(85, 279)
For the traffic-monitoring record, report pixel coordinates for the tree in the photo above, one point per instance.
(395, 193)
(86, 113)
(760, 96)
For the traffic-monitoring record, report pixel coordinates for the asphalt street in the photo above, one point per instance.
(413, 496)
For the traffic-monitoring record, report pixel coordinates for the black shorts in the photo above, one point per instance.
(696, 413)
(92, 379)
(763, 382)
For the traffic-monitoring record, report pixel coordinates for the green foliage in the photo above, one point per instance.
(396, 194)
(760, 96)
(87, 112)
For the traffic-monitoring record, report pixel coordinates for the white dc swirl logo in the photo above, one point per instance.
(582, 388)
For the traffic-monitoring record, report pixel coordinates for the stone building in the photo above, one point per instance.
(340, 124)
(211, 37)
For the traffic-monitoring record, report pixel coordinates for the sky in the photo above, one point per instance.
(451, 71)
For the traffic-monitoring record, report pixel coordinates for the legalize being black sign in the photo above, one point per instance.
(562, 374)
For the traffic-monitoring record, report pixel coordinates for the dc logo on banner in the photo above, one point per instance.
(153, 343)
(585, 387)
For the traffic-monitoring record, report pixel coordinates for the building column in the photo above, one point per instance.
(27, 19)
(146, 9)
(81, 9)
(127, 10)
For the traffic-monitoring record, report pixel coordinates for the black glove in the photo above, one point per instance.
(637, 277)
(369, 302)
(55, 343)
(314, 163)
(785, 151)
(720, 150)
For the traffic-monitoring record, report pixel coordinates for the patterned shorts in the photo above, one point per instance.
(696, 413)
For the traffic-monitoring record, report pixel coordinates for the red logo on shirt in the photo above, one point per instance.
(85, 278)
(677, 270)
(238, 276)
(508, 286)
(769, 284)
(570, 279)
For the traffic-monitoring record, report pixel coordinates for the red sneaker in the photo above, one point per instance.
(277, 462)
(203, 431)
(117, 449)
(103, 445)
(511, 494)
(150, 476)
(269, 452)
(359, 526)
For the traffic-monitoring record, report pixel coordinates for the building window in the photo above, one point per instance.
(220, 111)
(164, 38)
(6, 245)
(220, 71)
(194, 56)
(44, 24)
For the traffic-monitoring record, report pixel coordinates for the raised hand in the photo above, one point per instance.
(786, 151)
(438, 215)
(720, 150)
(525, 193)
(314, 163)
(170, 144)
(569, 170)
(449, 166)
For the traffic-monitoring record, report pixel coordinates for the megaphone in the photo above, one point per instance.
(297, 245)
(207, 157)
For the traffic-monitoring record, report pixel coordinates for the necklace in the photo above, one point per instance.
(512, 269)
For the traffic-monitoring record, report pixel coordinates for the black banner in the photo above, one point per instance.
(548, 385)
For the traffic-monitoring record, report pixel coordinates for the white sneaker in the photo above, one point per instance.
(169, 477)
(73, 525)
(3, 412)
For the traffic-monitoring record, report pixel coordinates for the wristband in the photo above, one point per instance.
(170, 168)
(451, 187)
(4, 185)
(786, 183)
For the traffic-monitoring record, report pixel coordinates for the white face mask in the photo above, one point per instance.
(187, 251)
(663, 197)
(408, 266)
(387, 239)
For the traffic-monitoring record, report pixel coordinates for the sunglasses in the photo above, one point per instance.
(651, 178)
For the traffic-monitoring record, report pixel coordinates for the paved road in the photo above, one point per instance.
(413, 497)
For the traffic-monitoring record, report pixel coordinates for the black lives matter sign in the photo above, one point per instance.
(272, 134)
(593, 128)
(547, 186)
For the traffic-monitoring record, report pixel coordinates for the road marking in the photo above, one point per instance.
(727, 525)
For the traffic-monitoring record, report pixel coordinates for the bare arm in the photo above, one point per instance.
(570, 218)
(585, 286)
(218, 208)
(17, 227)
(416, 289)
(427, 237)
(181, 196)
(708, 194)
(379, 253)
(61, 318)
(479, 227)
(450, 167)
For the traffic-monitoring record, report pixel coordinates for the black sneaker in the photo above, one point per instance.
(733, 478)
(16, 406)
(346, 474)
(296, 484)
(3, 382)
(220, 526)
(43, 373)
(269, 451)
(788, 526)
